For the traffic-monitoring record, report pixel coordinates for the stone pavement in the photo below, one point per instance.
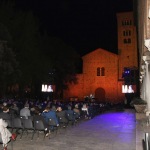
(115, 130)
(141, 128)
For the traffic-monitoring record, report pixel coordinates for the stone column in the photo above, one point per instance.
(143, 88)
(142, 81)
(146, 58)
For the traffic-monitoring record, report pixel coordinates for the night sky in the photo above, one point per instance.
(83, 24)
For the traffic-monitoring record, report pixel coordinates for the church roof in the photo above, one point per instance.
(100, 50)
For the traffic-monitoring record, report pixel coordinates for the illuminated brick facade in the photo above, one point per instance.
(102, 70)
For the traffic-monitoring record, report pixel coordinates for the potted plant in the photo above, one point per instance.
(139, 104)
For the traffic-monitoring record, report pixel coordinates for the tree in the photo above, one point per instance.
(62, 59)
(24, 30)
(41, 58)
(8, 67)
(5, 35)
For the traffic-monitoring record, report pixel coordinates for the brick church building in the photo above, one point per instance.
(107, 76)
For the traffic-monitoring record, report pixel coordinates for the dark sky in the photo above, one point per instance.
(83, 24)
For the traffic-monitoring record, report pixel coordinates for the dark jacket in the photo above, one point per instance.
(50, 114)
(62, 114)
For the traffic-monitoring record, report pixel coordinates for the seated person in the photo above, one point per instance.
(85, 111)
(37, 116)
(53, 108)
(91, 110)
(49, 114)
(14, 109)
(70, 114)
(25, 111)
(76, 111)
(61, 114)
(5, 115)
(34, 110)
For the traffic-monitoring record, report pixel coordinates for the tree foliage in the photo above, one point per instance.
(63, 60)
(24, 31)
(41, 58)
(8, 67)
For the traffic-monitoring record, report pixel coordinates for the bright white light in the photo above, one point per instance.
(127, 89)
(47, 88)
(130, 90)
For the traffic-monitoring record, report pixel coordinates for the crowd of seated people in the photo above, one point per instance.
(29, 107)
(62, 113)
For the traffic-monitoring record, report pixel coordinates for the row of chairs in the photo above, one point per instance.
(24, 125)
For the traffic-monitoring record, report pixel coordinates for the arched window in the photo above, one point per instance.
(102, 71)
(124, 33)
(127, 22)
(129, 32)
(125, 41)
(98, 71)
(130, 22)
(129, 40)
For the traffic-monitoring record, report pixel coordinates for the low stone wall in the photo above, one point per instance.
(140, 116)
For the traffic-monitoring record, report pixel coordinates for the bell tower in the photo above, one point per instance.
(127, 44)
